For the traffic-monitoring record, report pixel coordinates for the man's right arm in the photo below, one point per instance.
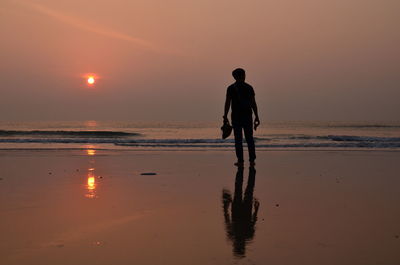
(227, 106)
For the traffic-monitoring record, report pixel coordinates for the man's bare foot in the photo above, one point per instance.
(239, 164)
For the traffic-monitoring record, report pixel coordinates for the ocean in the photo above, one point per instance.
(197, 136)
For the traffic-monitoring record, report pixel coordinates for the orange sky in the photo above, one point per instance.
(171, 60)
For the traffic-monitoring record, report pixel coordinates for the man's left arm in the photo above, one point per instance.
(255, 110)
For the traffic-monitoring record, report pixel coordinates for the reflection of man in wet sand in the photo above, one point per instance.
(240, 224)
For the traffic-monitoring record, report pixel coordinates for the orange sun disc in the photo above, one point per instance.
(90, 80)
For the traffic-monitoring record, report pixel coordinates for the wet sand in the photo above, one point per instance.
(95, 207)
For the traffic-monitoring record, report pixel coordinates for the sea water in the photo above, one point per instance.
(197, 135)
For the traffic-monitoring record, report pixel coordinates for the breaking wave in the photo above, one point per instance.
(67, 133)
(366, 126)
(345, 138)
(289, 141)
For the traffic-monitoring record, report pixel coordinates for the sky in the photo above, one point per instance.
(171, 60)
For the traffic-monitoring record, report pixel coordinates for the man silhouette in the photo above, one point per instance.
(242, 97)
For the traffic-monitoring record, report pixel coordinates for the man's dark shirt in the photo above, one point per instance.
(242, 95)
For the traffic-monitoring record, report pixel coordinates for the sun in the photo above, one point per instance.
(91, 80)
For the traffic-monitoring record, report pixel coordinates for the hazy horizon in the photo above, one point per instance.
(172, 61)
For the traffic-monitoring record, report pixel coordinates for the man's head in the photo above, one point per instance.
(239, 74)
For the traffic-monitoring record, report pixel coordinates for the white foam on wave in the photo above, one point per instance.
(288, 141)
(208, 144)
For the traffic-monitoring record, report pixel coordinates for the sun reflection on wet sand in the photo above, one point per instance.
(91, 184)
(91, 178)
(91, 152)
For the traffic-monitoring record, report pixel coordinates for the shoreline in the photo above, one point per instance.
(200, 149)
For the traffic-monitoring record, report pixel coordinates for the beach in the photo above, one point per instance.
(95, 206)
(123, 126)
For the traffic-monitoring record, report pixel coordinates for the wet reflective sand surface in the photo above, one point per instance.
(95, 207)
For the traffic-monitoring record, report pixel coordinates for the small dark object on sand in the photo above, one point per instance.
(397, 236)
(1, 178)
(77, 170)
(148, 174)
(277, 205)
(49, 173)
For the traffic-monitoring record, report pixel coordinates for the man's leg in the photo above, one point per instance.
(237, 130)
(248, 133)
